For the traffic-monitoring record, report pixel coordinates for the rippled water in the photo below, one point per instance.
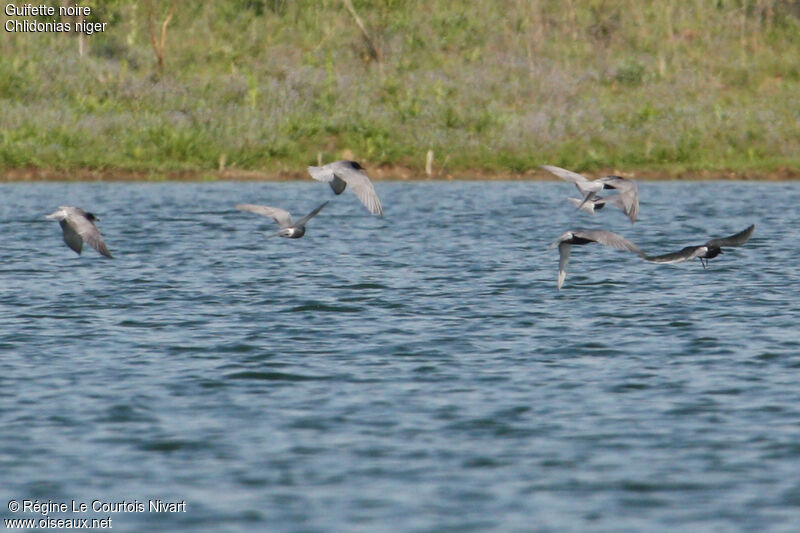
(414, 373)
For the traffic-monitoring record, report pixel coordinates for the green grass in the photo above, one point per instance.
(496, 86)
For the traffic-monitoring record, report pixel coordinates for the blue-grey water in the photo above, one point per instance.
(416, 373)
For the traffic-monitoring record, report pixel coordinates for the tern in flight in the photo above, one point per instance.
(627, 201)
(568, 238)
(340, 174)
(78, 226)
(289, 229)
(704, 252)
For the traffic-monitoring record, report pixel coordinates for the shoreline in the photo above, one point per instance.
(377, 173)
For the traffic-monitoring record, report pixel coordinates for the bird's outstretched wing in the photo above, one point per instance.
(628, 194)
(311, 215)
(366, 193)
(608, 238)
(87, 231)
(352, 174)
(565, 174)
(612, 199)
(281, 217)
(583, 184)
(684, 254)
(736, 239)
(325, 174)
(339, 174)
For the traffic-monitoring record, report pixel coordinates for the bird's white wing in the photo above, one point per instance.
(281, 217)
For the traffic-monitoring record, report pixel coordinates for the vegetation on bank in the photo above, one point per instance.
(271, 85)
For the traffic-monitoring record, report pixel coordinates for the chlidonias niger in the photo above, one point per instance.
(628, 200)
(704, 252)
(568, 238)
(78, 226)
(288, 229)
(340, 174)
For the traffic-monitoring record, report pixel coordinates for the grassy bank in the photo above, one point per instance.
(267, 85)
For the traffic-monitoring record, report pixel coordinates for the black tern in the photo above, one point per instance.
(627, 201)
(78, 226)
(568, 238)
(704, 252)
(288, 229)
(340, 174)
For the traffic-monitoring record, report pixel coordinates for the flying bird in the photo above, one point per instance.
(289, 229)
(78, 226)
(340, 174)
(568, 238)
(704, 252)
(627, 201)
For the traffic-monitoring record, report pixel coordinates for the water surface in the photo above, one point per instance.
(418, 372)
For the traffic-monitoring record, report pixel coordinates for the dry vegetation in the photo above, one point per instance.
(505, 86)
